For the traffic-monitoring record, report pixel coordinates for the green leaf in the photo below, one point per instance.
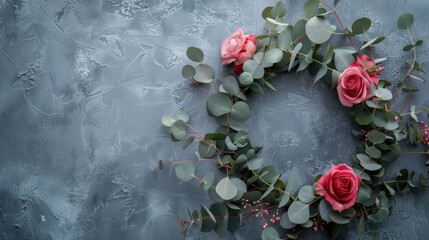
(405, 21)
(235, 217)
(256, 88)
(343, 58)
(204, 73)
(285, 222)
(226, 189)
(322, 71)
(380, 119)
(384, 94)
(310, 8)
(188, 142)
(246, 78)
(219, 210)
(274, 55)
(185, 171)
(364, 118)
(285, 199)
(318, 29)
(208, 220)
(215, 136)
(270, 233)
(207, 150)
(208, 180)
(325, 209)
(408, 47)
(367, 163)
(167, 122)
(373, 152)
(372, 42)
(181, 115)
(241, 188)
(361, 25)
(219, 104)
(306, 194)
(337, 218)
(376, 137)
(284, 40)
(230, 85)
(195, 54)
(255, 163)
(266, 13)
(230, 145)
(364, 193)
(294, 53)
(418, 43)
(254, 68)
(178, 129)
(188, 71)
(279, 10)
(240, 111)
(298, 212)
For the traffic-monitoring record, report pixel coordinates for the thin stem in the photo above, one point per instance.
(341, 23)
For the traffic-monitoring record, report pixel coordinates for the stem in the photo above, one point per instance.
(341, 23)
(317, 61)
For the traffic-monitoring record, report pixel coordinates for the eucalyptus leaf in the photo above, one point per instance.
(361, 25)
(204, 73)
(230, 85)
(270, 233)
(240, 111)
(318, 29)
(405, 21)
(195, 54)
(185, 171)
(298, 212)
(188, 71)
(294, 53)
(226, 189)
(219, 104)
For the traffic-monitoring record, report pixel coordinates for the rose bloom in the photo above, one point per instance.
(238, 48)
(339, 186)
(354, 84)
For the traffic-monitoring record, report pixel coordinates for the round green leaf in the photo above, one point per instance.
(376, 137)
(254, 68)
(380, 119)
(364, 118)
(298, 212)
(285, 222)
(373, 152)
(310, 8)
(337, 218)
(204, 73)
(240, 111)
(195, 54)
(246, 78)
(274, 55)
(188, 72)
(405, 21)
(185, 171)
(367, 163)
(325, 209)
(270, 233)
(226, 189)
(364, 193)
(181, 115)
(230, 85)
(206, 150)
(219, 104)
(178, 129)
(361, 25)
(318, 29)
(306, 194)
(241, 188)
(208, 220)
(255, 163)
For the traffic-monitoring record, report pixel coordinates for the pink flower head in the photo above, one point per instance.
(368, 64)
(354, 83)
(339, 186)
(238, 48)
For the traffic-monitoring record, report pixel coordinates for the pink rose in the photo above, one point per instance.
(368, 64)
(339, 186)
(238, 48)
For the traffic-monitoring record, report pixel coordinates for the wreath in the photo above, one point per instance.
(346, 192)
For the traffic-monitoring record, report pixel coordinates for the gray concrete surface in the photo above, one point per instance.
(84, 83)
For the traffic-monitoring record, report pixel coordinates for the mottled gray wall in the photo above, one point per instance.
(84, 83)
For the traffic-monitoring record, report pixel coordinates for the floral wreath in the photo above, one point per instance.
(345, 192)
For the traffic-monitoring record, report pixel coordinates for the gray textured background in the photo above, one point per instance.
(84, 83)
